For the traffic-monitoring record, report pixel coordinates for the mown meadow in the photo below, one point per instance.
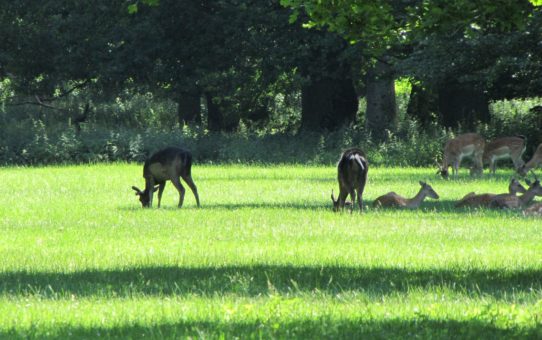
(264, 257)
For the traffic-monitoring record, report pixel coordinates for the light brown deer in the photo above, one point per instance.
(168, 164)
(503, 148)
(483, 200)
(391, 199)
(535, 161)
(533, 210)
(352, 172)
(468, 144)
(509, 201)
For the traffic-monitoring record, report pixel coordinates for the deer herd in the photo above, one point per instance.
(171, 164)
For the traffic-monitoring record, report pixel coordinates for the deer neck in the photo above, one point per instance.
(415, 201)
(527, 197)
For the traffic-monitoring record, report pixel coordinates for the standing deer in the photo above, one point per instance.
(468, 144)
(535, 161)
(391, 199)
(512, 201)
(352, 172)
(167, 165)
(505, 147)
(483, 200)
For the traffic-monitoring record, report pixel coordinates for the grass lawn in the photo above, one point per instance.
(264, 257)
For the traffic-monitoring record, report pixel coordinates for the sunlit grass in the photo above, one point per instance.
(264, 256)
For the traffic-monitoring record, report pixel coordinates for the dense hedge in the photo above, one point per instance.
(38, 145)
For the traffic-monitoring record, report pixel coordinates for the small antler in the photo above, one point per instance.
(138, 192)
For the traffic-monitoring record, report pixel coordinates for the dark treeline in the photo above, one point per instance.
(221, 66)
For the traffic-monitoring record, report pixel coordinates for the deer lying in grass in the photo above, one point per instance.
(533, 210)
(352, 172)
(391, 199)
(468, 144)
(483, 200)
(535, 161)
(167, 165)
(509, 201)
(502, 148)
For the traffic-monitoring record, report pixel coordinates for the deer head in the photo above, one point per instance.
(429, 190)
(144, 195)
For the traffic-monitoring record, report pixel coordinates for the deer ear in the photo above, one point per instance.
(422, 183)
(136, 190)
(332, 197)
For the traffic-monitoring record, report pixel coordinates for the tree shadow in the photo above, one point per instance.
(419, 327)
(261, 279)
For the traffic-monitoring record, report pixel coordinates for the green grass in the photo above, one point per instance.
(264, 257)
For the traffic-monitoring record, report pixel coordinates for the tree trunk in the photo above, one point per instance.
(328, 104)
(423, 104)
(188, 108)
(219, 118)
(381, 112)
(463, 105)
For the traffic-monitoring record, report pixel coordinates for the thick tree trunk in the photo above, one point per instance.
(218, 118)
(381, 112)
(188, 108)
(328, 104)
(462, 105)
(423, 104)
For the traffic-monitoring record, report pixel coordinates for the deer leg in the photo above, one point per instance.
(353, 196)
(342, 198)
(149, 186)
(192, 186)
(177, 183)
(360, 200)
(160, 192)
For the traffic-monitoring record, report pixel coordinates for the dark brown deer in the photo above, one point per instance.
(168, 164)
(352, 175)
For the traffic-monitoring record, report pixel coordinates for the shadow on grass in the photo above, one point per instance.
(274, 327)
(427, 207)
(262, 279)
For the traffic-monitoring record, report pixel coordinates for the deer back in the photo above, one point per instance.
(166, 163)
(504, 147)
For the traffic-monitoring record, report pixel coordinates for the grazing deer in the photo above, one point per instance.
(512, 201)
(535, 161)
(352, 172)
(533, 210)
(505, 147)
(468, 144)
(167, 165)
(483, 200)
(391, 199)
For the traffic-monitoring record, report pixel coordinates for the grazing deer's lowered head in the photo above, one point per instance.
(391, 199)
(169, 164)
(468, 144)
(144, 195)
(535, 161)
(352, 172)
